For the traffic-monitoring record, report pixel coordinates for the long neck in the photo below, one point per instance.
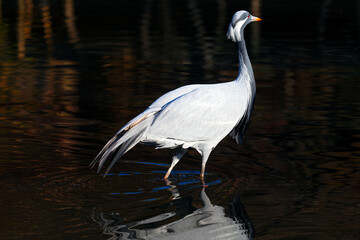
(244, 61)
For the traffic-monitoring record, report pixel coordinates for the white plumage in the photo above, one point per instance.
(193, 116)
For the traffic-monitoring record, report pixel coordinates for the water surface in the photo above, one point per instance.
(73, 72)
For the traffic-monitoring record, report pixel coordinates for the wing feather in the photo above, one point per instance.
(158, 104)
(200, 115)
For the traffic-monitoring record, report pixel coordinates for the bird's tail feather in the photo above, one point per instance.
(120, 144)
(106, 147)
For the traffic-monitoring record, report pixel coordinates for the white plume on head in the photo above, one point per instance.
(234, 33)
(230, 33)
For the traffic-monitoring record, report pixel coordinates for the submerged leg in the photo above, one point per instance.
(178, 155)
(205, 155)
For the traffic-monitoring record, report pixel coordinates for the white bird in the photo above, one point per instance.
(195, 116)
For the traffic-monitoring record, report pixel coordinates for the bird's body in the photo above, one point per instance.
(194, 116)
(186, 120)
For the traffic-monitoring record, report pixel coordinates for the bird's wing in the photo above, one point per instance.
(203, 114)
(128, 136)
(158, 104)
(170, 96)
(145, 114)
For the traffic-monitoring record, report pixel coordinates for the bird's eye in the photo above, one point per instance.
(248, 16)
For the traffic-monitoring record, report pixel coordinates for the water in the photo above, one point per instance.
(73, 72)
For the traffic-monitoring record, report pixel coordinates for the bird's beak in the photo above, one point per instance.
(256, 19)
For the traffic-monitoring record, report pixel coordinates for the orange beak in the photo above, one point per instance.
(257, 19)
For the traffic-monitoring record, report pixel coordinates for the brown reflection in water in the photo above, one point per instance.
(69, 19)
(256, 28)
(24, 23)
(145, 29)
(38, 102)
(201, 36)
(47, 25)
(297, 167)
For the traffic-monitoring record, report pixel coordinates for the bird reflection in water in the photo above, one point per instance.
(207, 222)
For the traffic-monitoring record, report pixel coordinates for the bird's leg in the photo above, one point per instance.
(178, 155)
(205, 155)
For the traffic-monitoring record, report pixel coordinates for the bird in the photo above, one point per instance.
(194, 116)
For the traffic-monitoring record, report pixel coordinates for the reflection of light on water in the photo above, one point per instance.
(151, 163)
(174, 174)
(187, 179)
(207, 222)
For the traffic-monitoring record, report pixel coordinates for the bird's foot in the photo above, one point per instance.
(167, 181)
(202, 180)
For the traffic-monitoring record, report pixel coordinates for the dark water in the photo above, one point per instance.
(73, 72)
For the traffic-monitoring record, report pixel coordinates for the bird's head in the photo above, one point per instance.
(238, 22)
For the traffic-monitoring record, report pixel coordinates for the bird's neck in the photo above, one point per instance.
(244, 62)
